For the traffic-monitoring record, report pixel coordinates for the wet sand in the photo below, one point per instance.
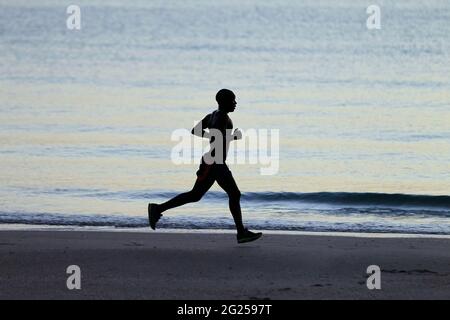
(153, 265)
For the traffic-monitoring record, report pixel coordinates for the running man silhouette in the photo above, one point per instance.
(213, 167)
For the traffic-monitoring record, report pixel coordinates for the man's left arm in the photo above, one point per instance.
(237, 134)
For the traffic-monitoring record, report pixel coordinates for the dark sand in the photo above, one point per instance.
(119, 265)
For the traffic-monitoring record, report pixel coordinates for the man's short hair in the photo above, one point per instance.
(224, 96)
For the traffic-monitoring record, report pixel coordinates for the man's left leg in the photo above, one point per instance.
(226, 181)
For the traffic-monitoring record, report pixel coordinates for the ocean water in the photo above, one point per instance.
(363, 115)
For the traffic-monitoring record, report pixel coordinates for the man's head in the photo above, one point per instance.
(226, 100)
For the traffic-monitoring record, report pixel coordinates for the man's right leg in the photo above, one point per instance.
(205, 179)
(201, 186)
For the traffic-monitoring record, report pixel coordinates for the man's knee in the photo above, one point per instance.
(196, 195)
(234, 194)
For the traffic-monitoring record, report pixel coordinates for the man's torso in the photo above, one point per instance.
(221, 122)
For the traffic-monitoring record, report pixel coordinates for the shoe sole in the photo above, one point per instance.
(250, 239)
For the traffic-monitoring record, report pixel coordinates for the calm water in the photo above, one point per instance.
(364, 115)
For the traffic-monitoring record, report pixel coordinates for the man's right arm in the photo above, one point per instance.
(199, 129)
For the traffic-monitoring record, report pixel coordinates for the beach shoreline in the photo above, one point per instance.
(346, 234)
(192, 265)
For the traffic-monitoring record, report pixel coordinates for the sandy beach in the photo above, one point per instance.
(126, 265)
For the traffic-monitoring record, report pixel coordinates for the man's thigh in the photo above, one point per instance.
(226, 181)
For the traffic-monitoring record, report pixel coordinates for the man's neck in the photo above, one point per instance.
(223, 110)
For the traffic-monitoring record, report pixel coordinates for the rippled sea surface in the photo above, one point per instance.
(363, 115)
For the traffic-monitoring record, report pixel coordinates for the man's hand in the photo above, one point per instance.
(237, 134)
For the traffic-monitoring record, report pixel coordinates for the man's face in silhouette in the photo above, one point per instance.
(230, 103)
